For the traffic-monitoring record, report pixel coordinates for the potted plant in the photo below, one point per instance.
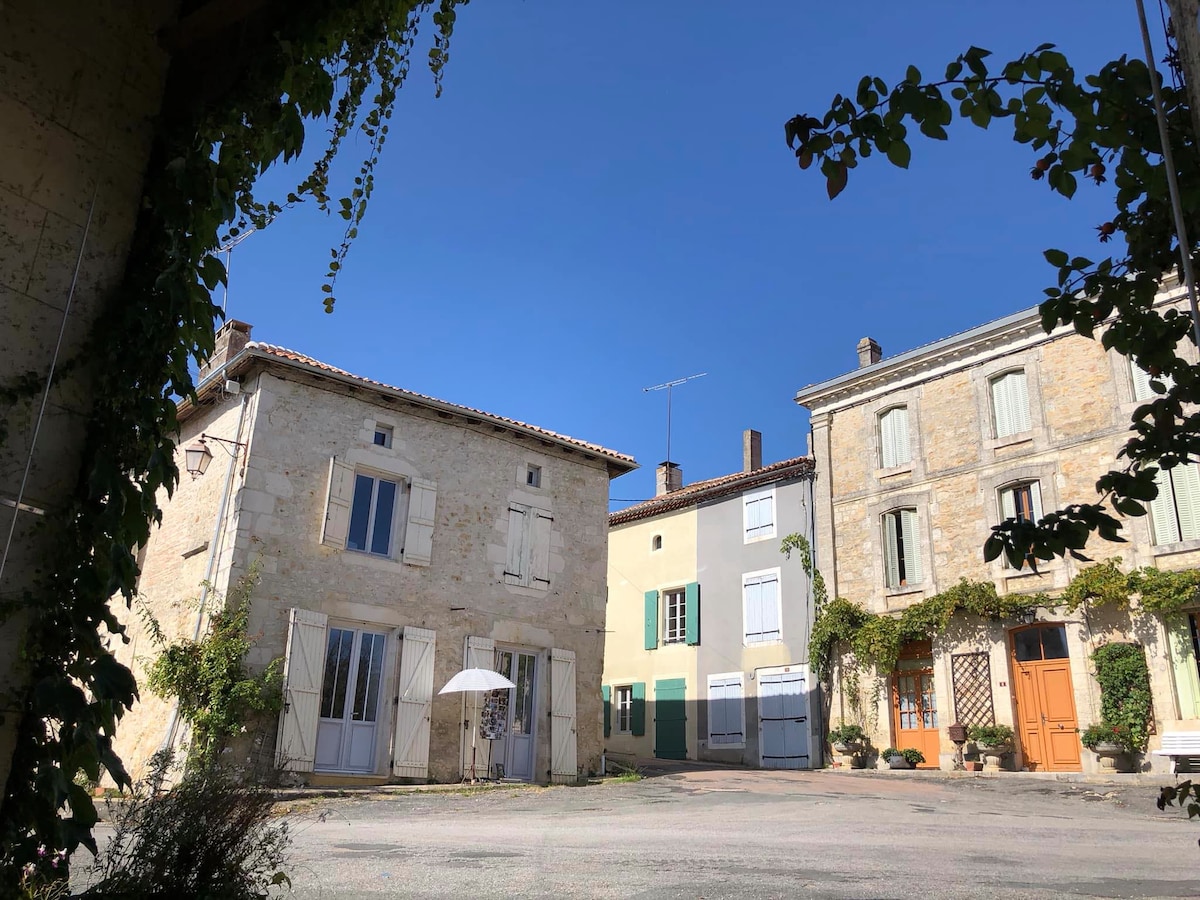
(1110, 743)
(993, 742)
(907, 758)
(847, 739)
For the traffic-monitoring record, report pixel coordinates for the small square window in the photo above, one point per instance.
(383, 436)
(533, 476)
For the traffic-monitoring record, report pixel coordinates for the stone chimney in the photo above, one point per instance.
(668, 478)
(751, 450)
(232, 337)
(869, 352)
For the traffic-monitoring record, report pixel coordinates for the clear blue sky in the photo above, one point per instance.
(602, 200)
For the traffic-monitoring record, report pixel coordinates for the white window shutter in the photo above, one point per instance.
(515, 566)
(1186, 479)
(1035, 493)
(418, 533)
(717, 725)
(539, 563)
(891, 556)
(1162, 511)
(770, 610)
(479, 653)
(1141, 382)
(1008, 503)
(1019, 393)
(564, 767)
(1000, 407)
(414, 704)
(902, 440)
(303, 667)
(893, 432)
(887, 441)
(912, 546)
(752, 610)
(339, 495)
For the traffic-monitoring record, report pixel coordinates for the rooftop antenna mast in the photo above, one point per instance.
(227, 249)
(668, 386)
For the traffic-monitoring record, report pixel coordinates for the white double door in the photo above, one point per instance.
(347, 734)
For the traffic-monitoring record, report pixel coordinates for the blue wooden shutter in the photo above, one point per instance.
(692, 613)
(606, 693)
(651, 634)
(637, 710)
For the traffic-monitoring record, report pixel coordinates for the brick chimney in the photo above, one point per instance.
(668, 478)
(751, 450)
(231, 338)
(869, 352)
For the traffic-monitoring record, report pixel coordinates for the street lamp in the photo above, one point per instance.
(197, 456)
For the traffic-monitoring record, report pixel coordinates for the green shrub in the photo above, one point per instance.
(990, 735)
(1103, 733)
(1125, 691)
(847, 734)
(912, 756)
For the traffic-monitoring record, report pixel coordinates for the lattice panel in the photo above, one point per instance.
(972, 675)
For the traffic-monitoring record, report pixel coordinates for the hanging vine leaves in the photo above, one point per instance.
(318, 61)
(1097, 130)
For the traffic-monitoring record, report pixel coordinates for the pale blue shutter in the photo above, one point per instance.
(717, 728)
(891, 556)
(912, 548)
(1162, 511)
(1186, 479)
(770, 610)
(752, 610)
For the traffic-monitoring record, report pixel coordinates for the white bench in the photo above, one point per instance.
(1180, 745)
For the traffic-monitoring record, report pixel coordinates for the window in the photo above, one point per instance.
(901, 549)
(726, 710)
(1142, 387)
(675, 621)
(372, 514)
(1175, 512)
(656, 542)
(528, 560)
(1010, 403)
(533, 476)
(1022, 501)
(624, 708)
(760, 607)
(894, 446)
(383, 436)
(759, 515)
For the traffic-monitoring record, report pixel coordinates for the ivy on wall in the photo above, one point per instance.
(342, 63)
(1125, 700)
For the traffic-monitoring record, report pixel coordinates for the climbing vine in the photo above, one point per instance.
(1125, 700)
(342, 63)
(208, 678)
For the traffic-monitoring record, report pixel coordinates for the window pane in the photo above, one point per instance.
(523, 713)
(1054, 642)
(337, 673)
(366, 688)
(360, 512)
(1027, 644)
(385, 507)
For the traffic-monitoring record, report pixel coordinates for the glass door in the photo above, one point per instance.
(346, 731)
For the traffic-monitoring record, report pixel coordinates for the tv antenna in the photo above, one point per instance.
(227, 249)
(668, 386)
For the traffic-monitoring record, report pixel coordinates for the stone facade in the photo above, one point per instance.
(699, 544)
(80, 83)
(461, 474)
(1080, 399)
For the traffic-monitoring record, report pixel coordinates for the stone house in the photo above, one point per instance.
(400, 539)
(708, 623)
(917, 456)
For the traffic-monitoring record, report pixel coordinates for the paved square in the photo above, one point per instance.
(724, 833)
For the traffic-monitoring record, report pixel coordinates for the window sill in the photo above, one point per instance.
(904, 597)
(1176, 547)
(771, 643)
(758, 539)
(1011, 440)
(716, 748)
(893, 472)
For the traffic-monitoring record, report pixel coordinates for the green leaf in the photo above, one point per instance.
(1056, 258)
(899, 154)
(912, 75)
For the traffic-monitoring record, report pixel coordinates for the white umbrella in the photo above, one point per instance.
(474, 681)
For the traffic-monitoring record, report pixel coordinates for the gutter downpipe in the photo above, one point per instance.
(214, 551)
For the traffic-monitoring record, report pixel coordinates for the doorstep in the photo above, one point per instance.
(1117, 778)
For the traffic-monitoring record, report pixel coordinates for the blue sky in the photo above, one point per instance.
(602, 200)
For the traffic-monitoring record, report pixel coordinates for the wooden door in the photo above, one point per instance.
(783, 725)
(1046, 721)
(670, 718)
(915, 714)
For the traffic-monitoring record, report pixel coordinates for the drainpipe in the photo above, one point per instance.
(214, 552)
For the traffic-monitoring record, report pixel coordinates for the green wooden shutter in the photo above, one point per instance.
(912, 546)
(606, 693)
(637, 711)
(891, 559)
(651, 632)
(692, 613)
(1183, 661)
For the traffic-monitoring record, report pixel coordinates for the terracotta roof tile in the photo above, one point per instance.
(291, 355)
(714, 487)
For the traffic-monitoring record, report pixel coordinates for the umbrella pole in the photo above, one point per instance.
(474, 734)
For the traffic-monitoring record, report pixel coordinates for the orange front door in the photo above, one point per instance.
(1046, 723)
(915, 715)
